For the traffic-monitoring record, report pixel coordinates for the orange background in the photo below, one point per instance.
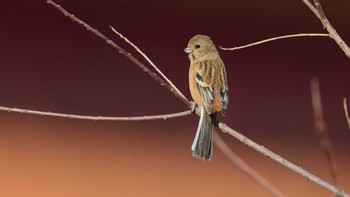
(49, 63)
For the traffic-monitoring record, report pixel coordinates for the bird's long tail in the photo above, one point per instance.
(202, 146)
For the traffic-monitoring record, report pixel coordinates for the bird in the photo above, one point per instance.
(209, 90)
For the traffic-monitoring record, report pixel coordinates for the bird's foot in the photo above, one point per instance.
(193, 106)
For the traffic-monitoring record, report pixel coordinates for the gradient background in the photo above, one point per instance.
(49, 63)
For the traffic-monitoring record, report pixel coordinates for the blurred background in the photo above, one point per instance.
(49, 63)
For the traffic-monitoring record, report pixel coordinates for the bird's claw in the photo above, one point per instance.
(193, 106)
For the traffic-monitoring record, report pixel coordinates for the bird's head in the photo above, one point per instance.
(200, 47)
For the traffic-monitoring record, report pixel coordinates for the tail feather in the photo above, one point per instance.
(202, 146)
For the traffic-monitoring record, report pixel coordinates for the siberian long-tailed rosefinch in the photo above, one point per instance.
(209, 90)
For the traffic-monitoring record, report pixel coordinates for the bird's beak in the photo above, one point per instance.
(188, 50)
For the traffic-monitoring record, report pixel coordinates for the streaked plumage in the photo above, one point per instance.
(209, 90)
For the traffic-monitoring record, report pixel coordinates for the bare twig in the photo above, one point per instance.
(312, 8)
(283, 161)
(321, 128)
(120, 50)
(318, 11)
(346, 111)
(273, 39)
(98, 118)
(222, 126)
(245, 168)
(149, 61)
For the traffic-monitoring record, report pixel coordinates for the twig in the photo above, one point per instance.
(273, 39)
(222, 126)
(98, 118)
(312, 8)
(120, 50)
(346, 111)
(318, 11)
(245, 168)
(282, 161)
(149, 61)
(321, 128)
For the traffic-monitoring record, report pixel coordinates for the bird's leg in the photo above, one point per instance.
(193, 106)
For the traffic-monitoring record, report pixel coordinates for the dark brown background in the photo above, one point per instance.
(49, 63)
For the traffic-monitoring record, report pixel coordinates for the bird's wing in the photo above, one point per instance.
(206, 79)
(223, 89)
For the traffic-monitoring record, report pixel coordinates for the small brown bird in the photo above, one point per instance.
(209, 90)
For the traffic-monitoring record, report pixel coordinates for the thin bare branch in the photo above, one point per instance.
(120, 50)
(346, 111)
(148, 60)
(273, 39)
(318, 11)
(321, 128)
(312, 8)
(97, 118)
(269, 154)
(222, 126)
(245, 168)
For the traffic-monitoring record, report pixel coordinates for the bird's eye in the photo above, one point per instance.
(197, 46)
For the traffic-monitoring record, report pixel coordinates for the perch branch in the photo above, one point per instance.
(346, 111)
(269, 154)
(120, 50)
(318, 11)
(97, 118)
(273, 39)
(321, 128)
(245, 168)
(222, 126)
(148, 60)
